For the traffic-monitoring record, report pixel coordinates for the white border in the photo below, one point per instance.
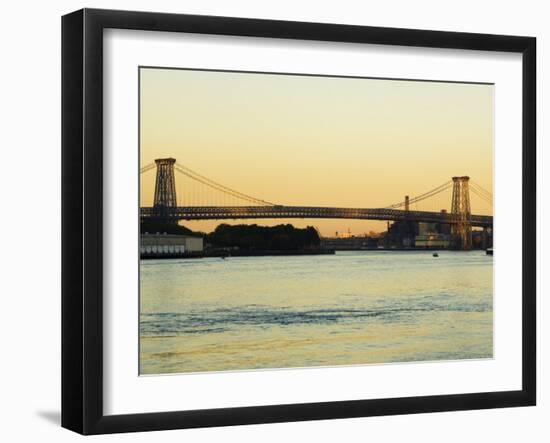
(125, 392)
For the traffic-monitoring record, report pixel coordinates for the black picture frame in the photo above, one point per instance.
(82, 218)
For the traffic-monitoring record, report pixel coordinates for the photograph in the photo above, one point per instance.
(291, 220)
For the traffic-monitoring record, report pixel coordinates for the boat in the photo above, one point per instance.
(435, 254)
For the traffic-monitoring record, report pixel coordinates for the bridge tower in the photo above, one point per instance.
(461, 230)
(165, 189)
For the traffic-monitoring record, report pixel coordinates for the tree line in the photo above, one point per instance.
(284, 237)
(254, 237)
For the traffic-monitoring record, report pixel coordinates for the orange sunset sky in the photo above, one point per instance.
(313, 140)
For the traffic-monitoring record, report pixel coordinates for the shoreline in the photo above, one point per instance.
(242, 253)
(281, 253)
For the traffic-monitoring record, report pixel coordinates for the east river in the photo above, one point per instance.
(356, 307)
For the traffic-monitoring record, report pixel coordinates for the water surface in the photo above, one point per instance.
(299, 311)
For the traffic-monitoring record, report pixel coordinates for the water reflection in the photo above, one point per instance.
(299, 311)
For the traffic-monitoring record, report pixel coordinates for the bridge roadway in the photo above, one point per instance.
(279, 211)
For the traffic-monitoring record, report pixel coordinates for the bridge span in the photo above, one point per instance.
(223, 207)
(282, 211)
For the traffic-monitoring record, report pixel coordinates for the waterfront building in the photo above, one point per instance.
(433, 241)
(169, 245)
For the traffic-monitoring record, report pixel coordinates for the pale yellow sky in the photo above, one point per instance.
(307, 140)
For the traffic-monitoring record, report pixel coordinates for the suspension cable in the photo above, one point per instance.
(219, 187)
(423, 196)
(482, 189)
(481, 194)
(486, 199)
(147, 168)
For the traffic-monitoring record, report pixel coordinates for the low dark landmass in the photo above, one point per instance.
(244, 240)
(245, 237)
(223, 253)
(264, 238)
(143, 256)
(254, 240)
(261, 253)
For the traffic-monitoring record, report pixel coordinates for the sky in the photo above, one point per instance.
(315, 140)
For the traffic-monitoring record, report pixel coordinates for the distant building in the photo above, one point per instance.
(343, 234)
(169, 245)
(401, 234)
(432, 241)
(349, 243)
(433, 235)
(427, 228)
(444, 228)
(482, 239)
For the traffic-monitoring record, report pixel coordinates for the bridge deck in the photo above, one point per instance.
(279, 211)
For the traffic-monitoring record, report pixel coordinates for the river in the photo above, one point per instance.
(357, 307)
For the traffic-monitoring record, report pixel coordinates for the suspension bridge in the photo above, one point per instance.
(232, 204)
